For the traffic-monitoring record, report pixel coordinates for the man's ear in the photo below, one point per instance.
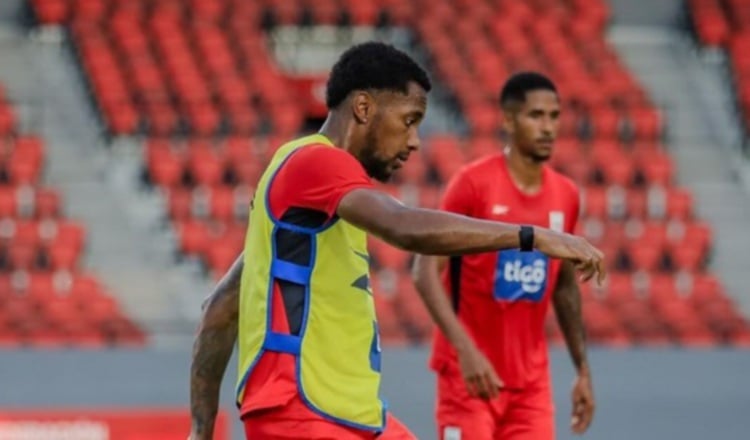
(363, 107)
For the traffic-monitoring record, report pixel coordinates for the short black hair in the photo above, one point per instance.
(519, 84)
(373, 65)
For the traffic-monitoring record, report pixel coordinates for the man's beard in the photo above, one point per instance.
(375, 167)
(540, 158)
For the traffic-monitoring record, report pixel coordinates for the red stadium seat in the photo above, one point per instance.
(22, 256)
(7, 202)
(594, 202)
(603, 326)
(23, 169)
(219, 257)
(166, 170)
(606, 123)
(123, 118)
(180, 201)
(63, 256)
(162, 119)
(51, 11)
(47, 203)
(222, 203)
(617, 171)
(70, 234)
(204, 119)
(193, 237)
(243, 119)
(688, 257)
(26, 232)
(388, 256)
(205, 166)
(644, 255)
(7, 120)
(679, 204)
(711, 24)
(656, 169)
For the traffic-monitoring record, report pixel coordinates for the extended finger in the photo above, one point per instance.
(577, 420)
(492, 388)
(587, 415)
(496, 381)
(479, 386)
(587, 270)
(601, 269)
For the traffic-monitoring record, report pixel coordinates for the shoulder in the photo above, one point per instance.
(481, 169)
(322, 152)
(321, 159)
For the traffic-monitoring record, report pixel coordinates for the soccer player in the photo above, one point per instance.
(300, 298)
(489, 351)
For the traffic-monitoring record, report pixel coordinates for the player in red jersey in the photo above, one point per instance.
(490, 352)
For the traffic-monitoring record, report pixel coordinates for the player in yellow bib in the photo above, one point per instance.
(298, 301)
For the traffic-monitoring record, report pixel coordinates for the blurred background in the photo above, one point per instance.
(132, 133)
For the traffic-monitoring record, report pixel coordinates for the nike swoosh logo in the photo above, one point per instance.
(363, 283)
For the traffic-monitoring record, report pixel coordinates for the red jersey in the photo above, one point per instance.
(306, 191)
(502, 298)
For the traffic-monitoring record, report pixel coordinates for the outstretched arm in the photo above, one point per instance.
(433, 232)
(212, 349)
(567, 303)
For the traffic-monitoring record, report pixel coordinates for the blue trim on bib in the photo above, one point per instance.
(282, 343)
(291, 272)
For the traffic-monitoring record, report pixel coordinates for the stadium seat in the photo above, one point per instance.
(387, 256)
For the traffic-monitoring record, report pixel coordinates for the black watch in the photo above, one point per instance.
(526, 238)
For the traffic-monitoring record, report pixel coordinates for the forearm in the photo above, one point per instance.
(567, 303)
(435, 298)
(211, 353)
(433, 232)
(212, 349)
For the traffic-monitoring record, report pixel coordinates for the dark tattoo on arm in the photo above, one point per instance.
(567, 303)
(212, 349)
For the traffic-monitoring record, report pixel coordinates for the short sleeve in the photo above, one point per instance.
(459, 196)
(317, 177)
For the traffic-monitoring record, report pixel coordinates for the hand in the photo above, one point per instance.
(583, 404)
(479, 374)
(587, 259)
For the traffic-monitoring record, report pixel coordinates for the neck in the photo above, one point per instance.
(339, 131)
(525, 171)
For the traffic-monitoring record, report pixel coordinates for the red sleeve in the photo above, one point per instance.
(317, 177)
(459, 196)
